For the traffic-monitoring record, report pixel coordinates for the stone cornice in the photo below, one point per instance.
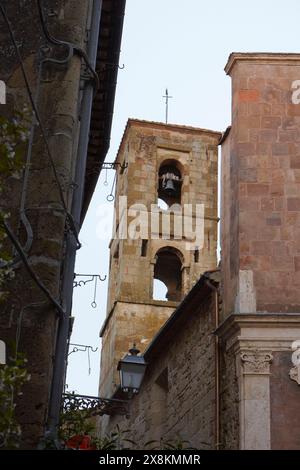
(156, 303)
(262, 58)
(169, 127)
(266, 331)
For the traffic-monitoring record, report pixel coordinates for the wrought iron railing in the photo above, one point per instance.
(95, 405)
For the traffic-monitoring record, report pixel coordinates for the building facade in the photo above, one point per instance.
(260, 249)
(224, 370)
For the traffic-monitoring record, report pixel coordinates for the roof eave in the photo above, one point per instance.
(108, 54)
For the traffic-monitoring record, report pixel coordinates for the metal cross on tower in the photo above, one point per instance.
(167, 103)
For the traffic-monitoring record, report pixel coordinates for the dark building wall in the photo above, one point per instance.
(27, 312)
(229, 401)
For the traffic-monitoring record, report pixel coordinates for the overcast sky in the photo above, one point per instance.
(182, 46)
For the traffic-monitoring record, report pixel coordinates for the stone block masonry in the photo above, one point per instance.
(260, 234)
(177, 401)
(260, 183)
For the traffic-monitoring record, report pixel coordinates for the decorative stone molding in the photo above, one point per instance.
(295, 374)
(295, 371)
(256, 362)
(264, 332)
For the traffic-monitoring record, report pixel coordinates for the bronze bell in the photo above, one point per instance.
(169, 187)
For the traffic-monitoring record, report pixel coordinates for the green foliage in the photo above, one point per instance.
(116, 440)
(13, 141)
(12, 377)
(81, 422)
(75, 422)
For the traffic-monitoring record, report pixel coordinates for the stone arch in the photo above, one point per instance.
(168, 269)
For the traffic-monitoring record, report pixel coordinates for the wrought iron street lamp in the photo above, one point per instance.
(132, 370)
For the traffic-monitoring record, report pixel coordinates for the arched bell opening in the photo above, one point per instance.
(168, 270)
(160, 290)
(169, 183)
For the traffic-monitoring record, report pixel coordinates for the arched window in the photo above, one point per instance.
(168, 269)
(169, 183)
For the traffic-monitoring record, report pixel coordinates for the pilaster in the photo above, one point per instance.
(254, 338)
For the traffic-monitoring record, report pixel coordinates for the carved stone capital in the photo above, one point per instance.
(256, 362)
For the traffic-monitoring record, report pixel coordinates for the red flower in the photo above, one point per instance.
(80, 442)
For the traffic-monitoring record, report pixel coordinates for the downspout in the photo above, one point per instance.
(60, 360)
(217, 366)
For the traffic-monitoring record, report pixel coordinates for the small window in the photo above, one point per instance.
(144, 248)
(163, 380)
(116, 252)
(123, 167)
(196, 255)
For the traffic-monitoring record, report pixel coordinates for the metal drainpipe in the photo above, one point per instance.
(217, 366)
(60, 361)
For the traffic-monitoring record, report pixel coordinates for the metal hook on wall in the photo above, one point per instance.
(113, 165)
(105, 182)
(92, 277)
(83, 348)
(111, 197)
(111, 65)
(94, 304)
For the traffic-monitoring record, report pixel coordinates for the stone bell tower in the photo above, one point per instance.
(161, 165)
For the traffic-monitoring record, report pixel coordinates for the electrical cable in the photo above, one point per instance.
(19, 322)
(34, 107)
(74, 47)
(33, 275)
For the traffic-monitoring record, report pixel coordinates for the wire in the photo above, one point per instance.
(71, 46)
(33, 275)
(20, 319)
(69, 216)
